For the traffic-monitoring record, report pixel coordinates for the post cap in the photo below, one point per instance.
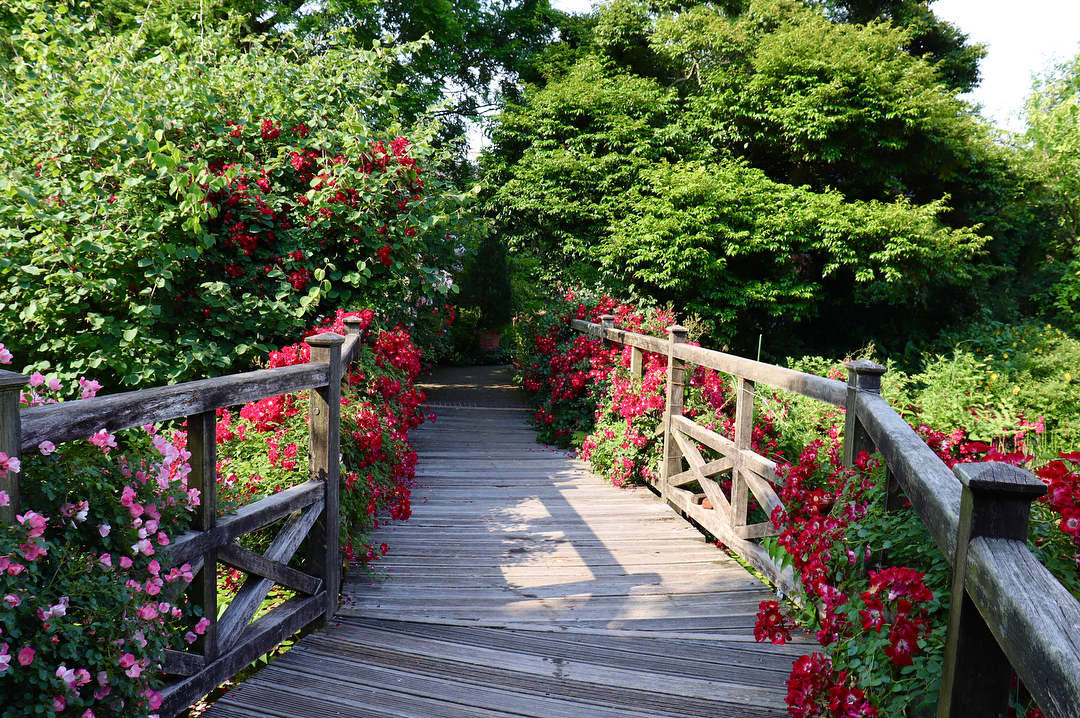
(1000, 478)
(352, 324)
(9, 379)
(326, 339)
(865, 366)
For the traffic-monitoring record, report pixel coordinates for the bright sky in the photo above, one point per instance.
(1021, 39)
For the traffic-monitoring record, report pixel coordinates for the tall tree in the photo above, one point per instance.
(763, 163)
(937, 41)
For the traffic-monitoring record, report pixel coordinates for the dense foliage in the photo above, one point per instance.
(176, 211)
(767, 165)
(90, 599)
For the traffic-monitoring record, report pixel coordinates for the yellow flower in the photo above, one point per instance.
(993, 376)
(1016, 390)
(1068, 377)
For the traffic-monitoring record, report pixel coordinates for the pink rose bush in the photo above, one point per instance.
(81, 633)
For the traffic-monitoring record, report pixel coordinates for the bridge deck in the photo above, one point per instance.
(523, 585)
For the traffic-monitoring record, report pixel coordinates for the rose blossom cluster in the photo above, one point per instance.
(86, 596)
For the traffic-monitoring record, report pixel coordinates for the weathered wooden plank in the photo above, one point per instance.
(815, 387)
(750, 552)
(1034, 618)
(711, 488)
(181, 663)
(928, 484)
(11, 384)
(239, 557)
(79, 419)
(757, 470)
(262, 635)
(263, 512)
(324, 462)
(251, 595)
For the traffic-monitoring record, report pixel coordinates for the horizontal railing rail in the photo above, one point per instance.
(309, 510)
(1007, 611)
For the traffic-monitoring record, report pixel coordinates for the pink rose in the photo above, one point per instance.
(34, 521)
(32, 552)
(26, 655)
(46, 448)
(103, 439)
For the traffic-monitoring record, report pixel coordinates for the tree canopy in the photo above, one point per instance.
(768, 163)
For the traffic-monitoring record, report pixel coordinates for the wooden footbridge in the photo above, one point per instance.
(523, 585)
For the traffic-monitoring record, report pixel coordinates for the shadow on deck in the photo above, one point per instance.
(523, 585)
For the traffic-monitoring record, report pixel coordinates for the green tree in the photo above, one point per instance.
(173, 212)
(891, 203)
(938, 41)
(1053, 144)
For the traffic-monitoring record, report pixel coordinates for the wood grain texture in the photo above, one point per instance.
(192, 544)
(79, 419)
(1035, 619)
(524, 585)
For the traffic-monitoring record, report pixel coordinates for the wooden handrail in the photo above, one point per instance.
(1033, 620)
(310, 509)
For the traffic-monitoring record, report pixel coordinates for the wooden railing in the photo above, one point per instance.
(1007, 610)
(310, 509)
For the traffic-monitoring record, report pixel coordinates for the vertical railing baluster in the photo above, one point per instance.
(11, 385)
(607, 323)
(671, 464)
(863, 376)
(324, 452)
(636, 363)
(202, 443)
(352, 329)
(995, 503)
(744, 432)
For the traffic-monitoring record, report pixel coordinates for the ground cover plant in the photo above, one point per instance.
(873, 588)
(89, 598)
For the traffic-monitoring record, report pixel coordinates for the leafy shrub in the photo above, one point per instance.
(153, 234)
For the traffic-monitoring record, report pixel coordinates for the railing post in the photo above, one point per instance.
(863, 376)
(202, 443)
(637, 359)
(324, 456)
(11, 385)
(671, 464)
(607, 323)
(995, 503)
(352, 327)
(744, 432)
